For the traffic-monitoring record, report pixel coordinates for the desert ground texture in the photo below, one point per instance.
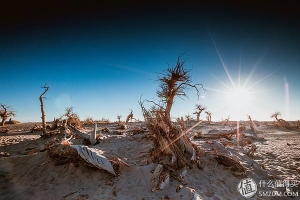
(27, 170)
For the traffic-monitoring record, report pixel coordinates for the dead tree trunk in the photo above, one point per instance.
(169, 139)
(44, 132)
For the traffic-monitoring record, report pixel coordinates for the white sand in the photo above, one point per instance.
(36, 177)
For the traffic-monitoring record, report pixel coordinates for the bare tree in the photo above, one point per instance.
(280, 122)
(275, 115)
(188, 119)
(169, 139)
(4, 113)
(208, 116)
(199, 109)
(119, 118)
(46, 88)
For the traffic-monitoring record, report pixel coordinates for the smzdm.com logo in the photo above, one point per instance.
(248, 188)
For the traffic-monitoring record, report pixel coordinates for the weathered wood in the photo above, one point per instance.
(94, 157)
(215, 134)
(42, 110)
(81, 134)
(93, 138)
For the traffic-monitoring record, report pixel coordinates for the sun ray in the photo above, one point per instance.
(262, 79)
(240, 66)
(216, 90)
(221, 82)
(223, 64)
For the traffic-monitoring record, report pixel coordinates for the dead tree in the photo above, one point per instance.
(188, 119)
(225, 121)
(199, 109)
(119, 118)
(280, 122)
(169, 139)
(208, 116)
(4, 113)
(275, 115)
(44, 132)
(129, 117)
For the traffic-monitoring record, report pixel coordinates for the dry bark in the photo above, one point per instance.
(44, 132)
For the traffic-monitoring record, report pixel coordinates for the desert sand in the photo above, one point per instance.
(27, 171)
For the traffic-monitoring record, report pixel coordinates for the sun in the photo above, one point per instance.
(239, 97)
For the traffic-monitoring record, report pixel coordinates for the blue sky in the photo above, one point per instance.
(102, 63)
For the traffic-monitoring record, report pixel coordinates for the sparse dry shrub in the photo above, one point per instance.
(89, 121)
(72, 118)
(104, 120)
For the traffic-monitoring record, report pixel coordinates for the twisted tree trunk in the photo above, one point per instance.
(44, 132)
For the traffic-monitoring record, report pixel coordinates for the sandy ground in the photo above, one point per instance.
(35, 176)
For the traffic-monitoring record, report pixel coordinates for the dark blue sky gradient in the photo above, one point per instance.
(100, 58)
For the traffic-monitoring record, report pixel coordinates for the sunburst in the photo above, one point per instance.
(238, 97)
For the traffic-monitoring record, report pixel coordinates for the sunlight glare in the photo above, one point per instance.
(239, 97)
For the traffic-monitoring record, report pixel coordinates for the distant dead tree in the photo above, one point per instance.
(225, 121)
(280, 122)
(119, 118)
(129, 117)
(4, 113)
(199, 109)
(169, 139)
(275, 115)
(46, 88)
(188, 119)
(208, 116)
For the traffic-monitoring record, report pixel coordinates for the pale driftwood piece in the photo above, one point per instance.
(93, 139)
(235, 166)
(164, 180)
(94, 157)
(182, 175)
(81, 134)
(242, 141)
(215, 134)
(156, 173)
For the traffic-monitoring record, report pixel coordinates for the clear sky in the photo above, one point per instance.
(100, 59)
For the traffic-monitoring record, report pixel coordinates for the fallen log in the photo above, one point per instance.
(90, 137)
(216, 134)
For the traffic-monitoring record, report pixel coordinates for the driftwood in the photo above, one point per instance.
(215, 134)
(94, 157)
(93, 139)
(233, 164)
(90, 137)
(242, 141)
